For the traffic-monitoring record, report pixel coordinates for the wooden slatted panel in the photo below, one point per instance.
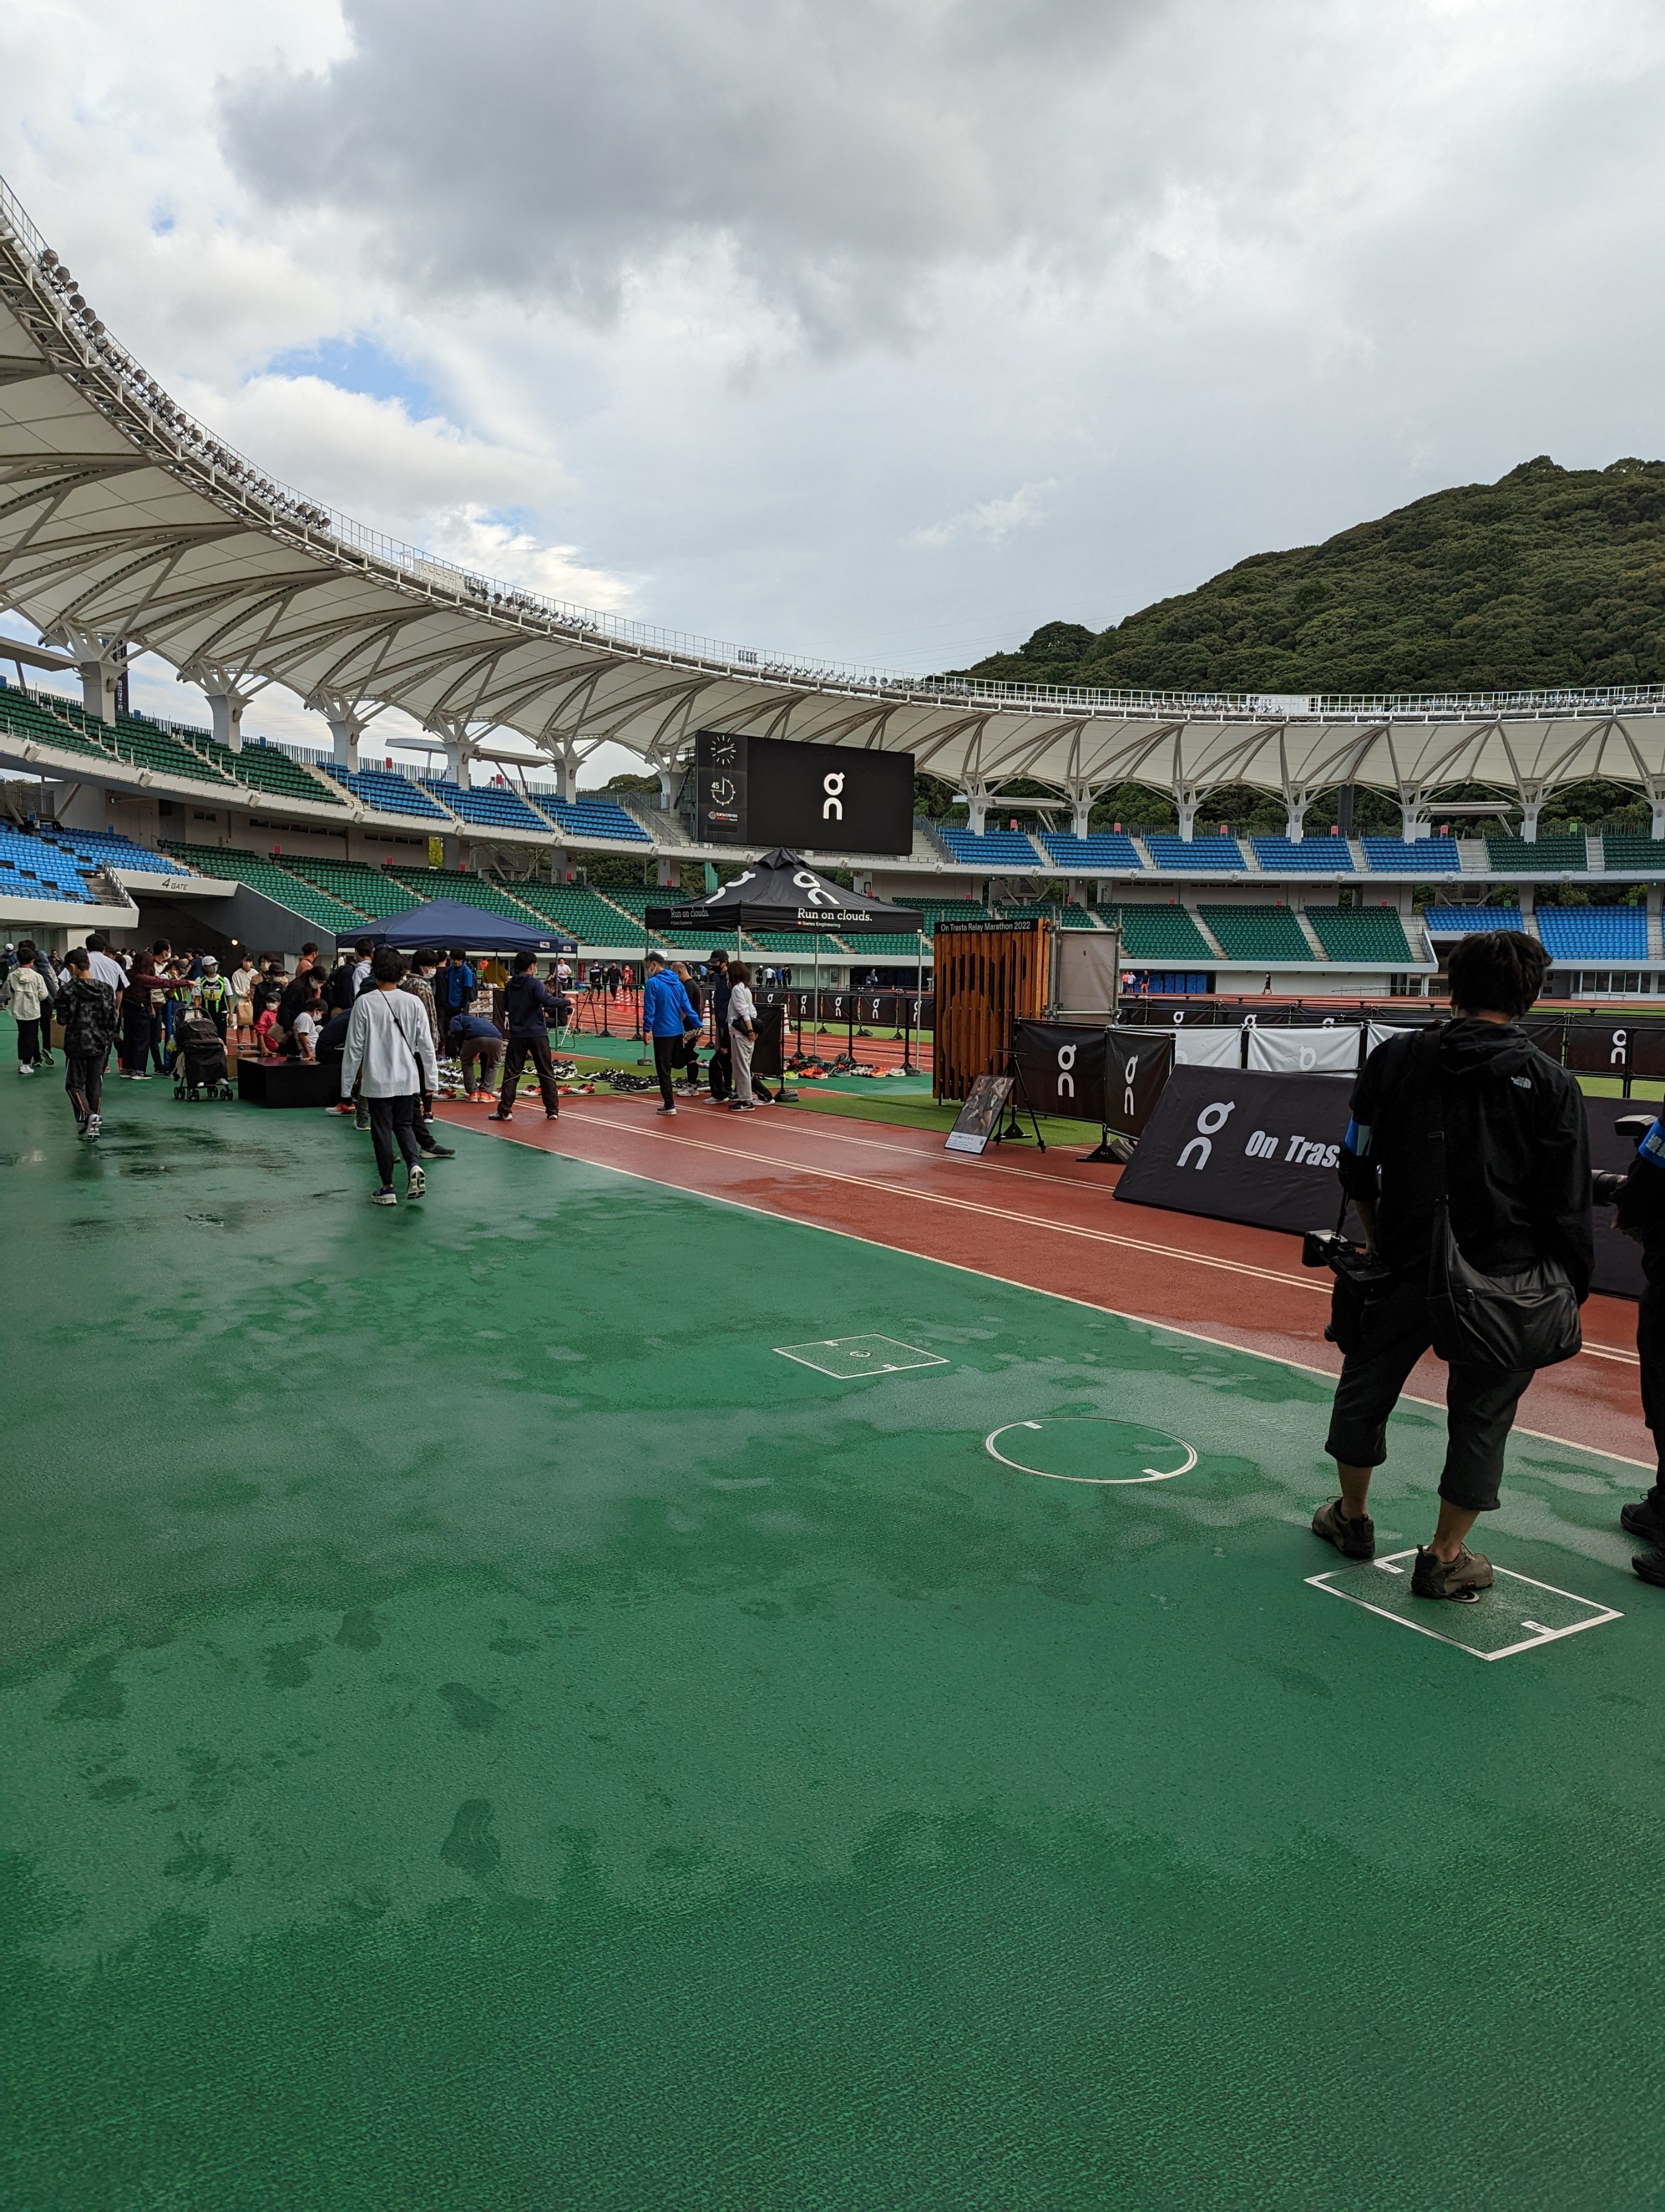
(985, 981)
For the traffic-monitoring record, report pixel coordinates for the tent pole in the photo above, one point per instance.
(641, 1039)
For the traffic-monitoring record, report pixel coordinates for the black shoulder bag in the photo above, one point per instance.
(1495, 1322)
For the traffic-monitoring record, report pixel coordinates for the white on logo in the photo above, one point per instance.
(1127, 1075)
(815, 894)
(1616, 1057)
(1212, 1119)
(833, 806)
(1065, 1063)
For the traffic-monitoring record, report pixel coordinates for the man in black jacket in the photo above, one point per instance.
(87, 1010)
(527, 1008)
(722, 1069)
(1641, 1214)
(1519, 1185)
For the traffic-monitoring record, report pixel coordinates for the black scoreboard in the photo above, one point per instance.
(769, 791)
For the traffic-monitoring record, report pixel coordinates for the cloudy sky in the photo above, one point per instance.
(882, 331)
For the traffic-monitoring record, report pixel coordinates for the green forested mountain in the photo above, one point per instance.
(1550, 576)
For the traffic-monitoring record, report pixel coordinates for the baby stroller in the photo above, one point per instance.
(199, 1065)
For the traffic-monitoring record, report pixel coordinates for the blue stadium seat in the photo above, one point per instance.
(1328, 856)
(102, 848)
(493, 807)
(388, 791)
(1594, 932)
(1465, 920)
(31, 868)
(1428, 856)
(593, 818)
(995, 848)
(1104, 851)
(1218, 855)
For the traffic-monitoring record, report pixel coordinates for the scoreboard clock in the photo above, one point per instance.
(769, 791)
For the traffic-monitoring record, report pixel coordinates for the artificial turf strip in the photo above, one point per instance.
(484, 1731)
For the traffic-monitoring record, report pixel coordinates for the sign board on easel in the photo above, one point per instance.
(980, 1117)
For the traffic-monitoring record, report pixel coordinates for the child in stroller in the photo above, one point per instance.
(199, 1064)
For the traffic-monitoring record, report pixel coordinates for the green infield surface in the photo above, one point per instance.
(547, 1699)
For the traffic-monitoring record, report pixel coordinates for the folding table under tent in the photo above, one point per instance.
(445, 922)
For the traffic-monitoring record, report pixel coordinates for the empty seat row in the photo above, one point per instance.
(1594, 932)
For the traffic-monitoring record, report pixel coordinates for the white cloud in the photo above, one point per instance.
(992, 522)
(703, 304)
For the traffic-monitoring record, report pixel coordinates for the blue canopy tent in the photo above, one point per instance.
(446, 922)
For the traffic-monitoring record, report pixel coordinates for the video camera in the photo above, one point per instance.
(1605, 1183)
(1328, 1248)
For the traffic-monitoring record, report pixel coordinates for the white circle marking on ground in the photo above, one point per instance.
(1149, 1474)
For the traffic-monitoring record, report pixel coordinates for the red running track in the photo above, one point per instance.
(1049, 1223)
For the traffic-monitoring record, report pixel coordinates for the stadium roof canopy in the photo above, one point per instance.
(125, 525)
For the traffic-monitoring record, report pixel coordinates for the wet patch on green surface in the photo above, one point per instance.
(484, 1731)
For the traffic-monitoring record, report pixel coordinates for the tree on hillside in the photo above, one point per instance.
(1549, 577)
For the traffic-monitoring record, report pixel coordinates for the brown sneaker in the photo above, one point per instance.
(1462, 1579)
(1354, 1539)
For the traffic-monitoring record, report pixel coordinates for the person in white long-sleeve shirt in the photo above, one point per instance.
(390, 1055)
(742, 1035)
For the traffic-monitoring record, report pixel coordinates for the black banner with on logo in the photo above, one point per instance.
(1088, 1074)
(1061, 1067)
(1598, 1048)
(1238, 1145)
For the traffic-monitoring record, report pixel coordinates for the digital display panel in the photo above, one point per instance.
(769, 791)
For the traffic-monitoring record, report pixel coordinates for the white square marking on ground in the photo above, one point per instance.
(845, 1357)
(1515, 1614)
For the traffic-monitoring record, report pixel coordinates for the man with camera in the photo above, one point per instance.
(1639, 1198)
(1468, 1157)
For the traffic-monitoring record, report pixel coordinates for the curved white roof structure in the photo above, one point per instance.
(123, 520)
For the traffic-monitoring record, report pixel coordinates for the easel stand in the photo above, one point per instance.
(1013, 1131)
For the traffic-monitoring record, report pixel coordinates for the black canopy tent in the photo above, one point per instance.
(782, 894)
(445, 922)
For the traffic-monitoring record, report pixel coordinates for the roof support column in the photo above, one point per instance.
(100, 662)
(1080, 798)
(1186, 800)
(227, 691)
(1532, 806)
(451, 730)
(1413, 818)
(978, 799)
(347, 726)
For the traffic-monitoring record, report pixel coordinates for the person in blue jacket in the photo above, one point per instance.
(667, 1014)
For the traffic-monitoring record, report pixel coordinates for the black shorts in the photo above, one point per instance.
(1479, 1402)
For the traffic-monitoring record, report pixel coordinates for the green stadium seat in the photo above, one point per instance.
(1561, 856)
(233, 864)
(1257, 933)
(1361, 932)
(1157, 932)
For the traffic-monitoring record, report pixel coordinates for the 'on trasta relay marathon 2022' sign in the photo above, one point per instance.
(1239, 1146)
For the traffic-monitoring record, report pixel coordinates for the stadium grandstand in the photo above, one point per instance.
(560, 681)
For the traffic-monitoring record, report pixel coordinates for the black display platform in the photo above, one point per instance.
(288, 1083)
